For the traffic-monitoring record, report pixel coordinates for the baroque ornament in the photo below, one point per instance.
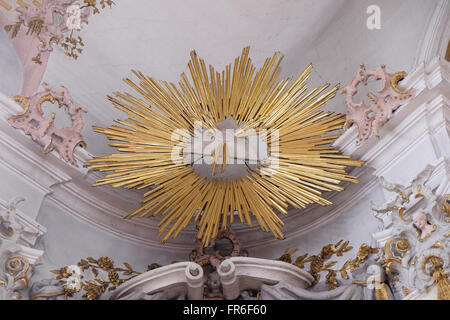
(174, 130)
(209, 258)
(318, 263)
(89, 278)
(39, 22)
(94, 279)
(227, 273)
(42, 129)
(34, 28)
(369, 119)
(198, 255)
(414, 244)
(17, 260)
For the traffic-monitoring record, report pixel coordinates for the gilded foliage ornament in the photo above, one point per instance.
(104, 277)
(318, 263)
(414, 243)
(40, 23)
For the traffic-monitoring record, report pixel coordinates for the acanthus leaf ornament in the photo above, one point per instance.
(166, 118)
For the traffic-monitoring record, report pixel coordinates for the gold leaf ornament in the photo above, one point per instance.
(163, 118)
(73, 281)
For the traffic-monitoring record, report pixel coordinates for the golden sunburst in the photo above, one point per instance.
(301, 162)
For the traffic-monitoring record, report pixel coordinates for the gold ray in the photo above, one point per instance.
(304, 165)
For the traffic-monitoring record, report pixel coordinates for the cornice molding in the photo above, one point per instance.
(434, 42)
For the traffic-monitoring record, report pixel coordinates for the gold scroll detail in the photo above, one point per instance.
(400, 211)
(400, 247)
(395, 79)
(25, 104)
(19, 267)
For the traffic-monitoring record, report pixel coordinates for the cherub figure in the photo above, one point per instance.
(213, 286)
(423, 227)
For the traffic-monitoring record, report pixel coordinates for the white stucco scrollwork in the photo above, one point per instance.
(17, 259)
(414, 241)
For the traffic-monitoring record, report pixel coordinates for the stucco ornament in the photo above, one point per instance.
(368, 283)
(369, 119)
(200, 256)
(33, 31)
(90, 278)
(10, 228)
(16, 259)
(414, 241)
(230, 275)
(212, 256)
(41, 128)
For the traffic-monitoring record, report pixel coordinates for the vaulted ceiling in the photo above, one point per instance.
(156, 37)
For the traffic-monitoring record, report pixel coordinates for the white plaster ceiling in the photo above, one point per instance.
(156, 37)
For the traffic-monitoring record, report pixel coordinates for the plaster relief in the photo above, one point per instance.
(33, 31)
(42, 130)
(414, 241)
(17, 260)
(369, 119)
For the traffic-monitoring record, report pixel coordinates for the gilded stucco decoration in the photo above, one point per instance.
(154, 146)
(369, 119)
(415, 245)
(16, 263)
(34, 29)
(94, 279)
(41, 128)
(362, 277)
(89, 278)
(319, 263)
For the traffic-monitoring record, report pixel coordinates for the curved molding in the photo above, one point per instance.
(436, 37)
(259, 269)
(173, 280)
(241, 273)
(236, 274)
